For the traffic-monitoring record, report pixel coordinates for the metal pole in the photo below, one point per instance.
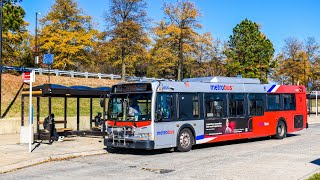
(50, 123)
(36, 41)
(104, 117)
(38, 117)
(65, 112)
(22, 110)
(30, 111)
(316, 103)
(0, 57)
(78, 114)
(304, 73)
(91, 113)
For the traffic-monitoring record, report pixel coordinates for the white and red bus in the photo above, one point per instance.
(167, 114)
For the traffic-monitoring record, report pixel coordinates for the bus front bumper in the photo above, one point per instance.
(133, 144)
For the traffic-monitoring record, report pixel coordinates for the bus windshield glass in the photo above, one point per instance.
(130, 107)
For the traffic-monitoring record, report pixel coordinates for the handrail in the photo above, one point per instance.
(58, 72)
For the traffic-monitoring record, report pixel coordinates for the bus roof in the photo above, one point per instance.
(219, 79)
(166, 86)
(208, 84)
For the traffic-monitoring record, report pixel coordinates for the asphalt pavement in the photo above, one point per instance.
(295, 157)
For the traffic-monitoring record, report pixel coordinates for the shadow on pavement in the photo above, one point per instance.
(239, 141)
(137, 151)
(199, 146)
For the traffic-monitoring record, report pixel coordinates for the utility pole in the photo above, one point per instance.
(36, 58)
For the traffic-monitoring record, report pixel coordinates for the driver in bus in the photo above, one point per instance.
(134, 108)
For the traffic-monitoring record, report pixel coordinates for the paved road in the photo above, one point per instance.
(295, 157)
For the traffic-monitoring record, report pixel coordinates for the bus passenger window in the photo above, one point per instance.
(256, 104)
(289, 102)
(195, 106)
(273, 101)
(236, 104)
(215, 105)
(165, 105)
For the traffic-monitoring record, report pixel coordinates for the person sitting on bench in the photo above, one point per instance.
(49, 123)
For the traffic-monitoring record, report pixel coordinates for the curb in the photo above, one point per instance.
(33, 162)
(313, 122)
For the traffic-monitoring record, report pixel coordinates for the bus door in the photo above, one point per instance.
(215, 113)
(165, 131)
(239, 120)
(256, 108)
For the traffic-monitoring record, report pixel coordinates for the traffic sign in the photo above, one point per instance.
(26, 77)
(48, 59)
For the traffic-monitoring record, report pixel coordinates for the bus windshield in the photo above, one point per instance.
(130, 107)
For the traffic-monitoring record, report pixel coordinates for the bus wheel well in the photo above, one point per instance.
(188, 126)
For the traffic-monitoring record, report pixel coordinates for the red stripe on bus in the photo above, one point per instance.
(135, 124)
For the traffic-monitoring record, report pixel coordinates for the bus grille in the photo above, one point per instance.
(298, 121)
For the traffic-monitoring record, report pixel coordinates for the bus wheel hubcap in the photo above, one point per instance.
(281, 130)
(185, 139)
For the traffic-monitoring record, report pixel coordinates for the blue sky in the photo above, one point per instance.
(279, 19)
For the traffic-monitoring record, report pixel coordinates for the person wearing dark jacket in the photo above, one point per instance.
(50, 124)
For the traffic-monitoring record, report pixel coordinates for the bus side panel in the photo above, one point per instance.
(298, 119)
(166, 133)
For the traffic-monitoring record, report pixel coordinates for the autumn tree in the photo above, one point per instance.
(175, 38)
(126, 21)
(298, 62)
(249, 52)
(208, 57)
(164, 52)
(68, 34)
(312, 49)
(16, 39)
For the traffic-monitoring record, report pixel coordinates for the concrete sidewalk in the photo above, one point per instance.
(313, 119)
(15, 156)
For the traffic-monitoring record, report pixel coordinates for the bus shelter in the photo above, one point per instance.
(313, 102)
(58, 91)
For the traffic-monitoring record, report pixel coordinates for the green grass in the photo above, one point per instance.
(11, 84)
(58, 107)
(315, 177)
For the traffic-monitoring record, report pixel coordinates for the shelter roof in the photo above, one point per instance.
(57, 90)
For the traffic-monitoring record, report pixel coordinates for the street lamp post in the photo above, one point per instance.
(36, 60)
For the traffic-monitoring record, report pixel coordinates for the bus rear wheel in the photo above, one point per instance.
(281, 131)
(185, 140)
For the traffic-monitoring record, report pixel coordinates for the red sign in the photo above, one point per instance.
(26, 77)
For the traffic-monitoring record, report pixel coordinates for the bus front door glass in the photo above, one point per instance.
(165, 126)
(165, 106)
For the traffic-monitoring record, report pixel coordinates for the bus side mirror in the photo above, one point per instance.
(159, 115)
(102, 103)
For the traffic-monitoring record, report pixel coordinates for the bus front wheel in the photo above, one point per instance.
(281, 131)
(185, 140)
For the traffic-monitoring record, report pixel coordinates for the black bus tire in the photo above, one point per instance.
(111, 149)
(185, 140)
(281, 130)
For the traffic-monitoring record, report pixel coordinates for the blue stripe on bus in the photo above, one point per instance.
(200, 137)
(272, 87)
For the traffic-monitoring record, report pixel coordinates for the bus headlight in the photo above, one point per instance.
(143, 135)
